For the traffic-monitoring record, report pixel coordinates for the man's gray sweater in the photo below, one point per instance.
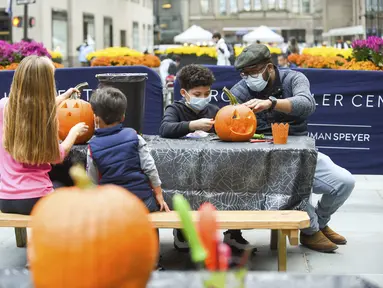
(287, 84)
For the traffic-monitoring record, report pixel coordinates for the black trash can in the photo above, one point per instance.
(133, 85)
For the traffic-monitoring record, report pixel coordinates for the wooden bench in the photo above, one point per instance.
(283, 225)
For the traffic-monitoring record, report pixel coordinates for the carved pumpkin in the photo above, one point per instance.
(235, 123)
(71, 112)
(91, 237)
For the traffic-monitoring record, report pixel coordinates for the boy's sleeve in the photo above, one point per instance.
(91, 168)
(171, 126)
(147, 162)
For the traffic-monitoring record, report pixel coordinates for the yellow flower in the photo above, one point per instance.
(328, 52)
(273, 50)
(113, 52)
(55, 54)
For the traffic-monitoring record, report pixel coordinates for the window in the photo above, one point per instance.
(108, 32)
(222, 7)
(257, 5)
(136, 39)
(89, 32)
(5, 26)
(233, 7)
(271, 4)
(60, 32)
(150, 38)
(144, 37)
(123, 38)
(306, 6)
(205, 6)
(247, 5)
(282, 5)
(295, 6)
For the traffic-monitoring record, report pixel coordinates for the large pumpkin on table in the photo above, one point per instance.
(71, 112)
(94, 237)
(235, 123)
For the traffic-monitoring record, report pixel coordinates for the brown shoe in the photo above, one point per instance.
(333, 236)
(318, 242)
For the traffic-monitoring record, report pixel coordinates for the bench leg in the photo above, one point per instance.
(274, 240)
(21, 237)
(282, 251)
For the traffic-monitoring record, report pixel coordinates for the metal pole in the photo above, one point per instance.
(26, 22)
(11, 27)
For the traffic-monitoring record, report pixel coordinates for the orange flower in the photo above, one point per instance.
(144, 60)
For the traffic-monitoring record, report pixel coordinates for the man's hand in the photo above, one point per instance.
(258, 105)
(203, 124)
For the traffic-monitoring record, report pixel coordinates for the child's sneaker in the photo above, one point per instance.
(180, 242)
(234, 239)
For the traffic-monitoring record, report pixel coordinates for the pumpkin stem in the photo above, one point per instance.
(79, 177)
(232, 98)
(79, 87)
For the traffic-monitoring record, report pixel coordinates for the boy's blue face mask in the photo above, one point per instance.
(198, 104)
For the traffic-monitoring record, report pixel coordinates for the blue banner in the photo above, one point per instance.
(70, 77)
(347, 123)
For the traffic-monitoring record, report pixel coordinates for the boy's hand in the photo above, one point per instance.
(203, 124)
(79, 129)
(160, 199)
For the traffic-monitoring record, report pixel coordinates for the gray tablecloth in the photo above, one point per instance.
(233, 176)
(12, 278)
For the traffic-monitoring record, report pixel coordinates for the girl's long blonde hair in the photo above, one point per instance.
(31, 124)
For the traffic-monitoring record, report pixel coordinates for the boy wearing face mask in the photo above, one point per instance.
(284, 96)
(194, 112)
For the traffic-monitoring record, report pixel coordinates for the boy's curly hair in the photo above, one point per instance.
(192, 76)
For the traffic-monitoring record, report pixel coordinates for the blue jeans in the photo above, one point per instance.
(335, 184)
(151, 204)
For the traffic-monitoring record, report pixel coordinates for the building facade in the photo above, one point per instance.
(65, 24)
(290, 18)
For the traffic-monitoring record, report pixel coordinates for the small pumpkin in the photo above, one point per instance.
(73, 111)
(91, 237)
(235, 123)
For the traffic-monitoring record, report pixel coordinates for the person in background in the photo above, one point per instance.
(29, 135)
(260, 80)
(84, 49)
(194, 112)
(283, 62)
(168, 67)
(223, 53)
(293, 47)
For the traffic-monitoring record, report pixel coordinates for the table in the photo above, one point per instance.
(232, 176)
(14, 278)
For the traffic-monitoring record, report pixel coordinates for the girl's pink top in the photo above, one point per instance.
(22, 181)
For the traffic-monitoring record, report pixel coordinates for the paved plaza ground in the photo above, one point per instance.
(360, 220)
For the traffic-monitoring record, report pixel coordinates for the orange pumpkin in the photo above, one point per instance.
(73, 111)
(91, 237)
(235, 123)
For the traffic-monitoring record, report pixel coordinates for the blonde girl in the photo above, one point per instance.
(29, 135)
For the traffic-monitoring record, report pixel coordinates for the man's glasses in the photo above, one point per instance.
(253, 74)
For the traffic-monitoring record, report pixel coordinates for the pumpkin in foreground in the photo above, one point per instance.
(91, 237)
(235, 123)
(71, 112)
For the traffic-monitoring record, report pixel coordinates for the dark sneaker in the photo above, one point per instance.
(180, 242)
(234, 239)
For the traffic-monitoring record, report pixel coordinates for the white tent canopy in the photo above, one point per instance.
(345, 31)
(263, 34)
(193, 35)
